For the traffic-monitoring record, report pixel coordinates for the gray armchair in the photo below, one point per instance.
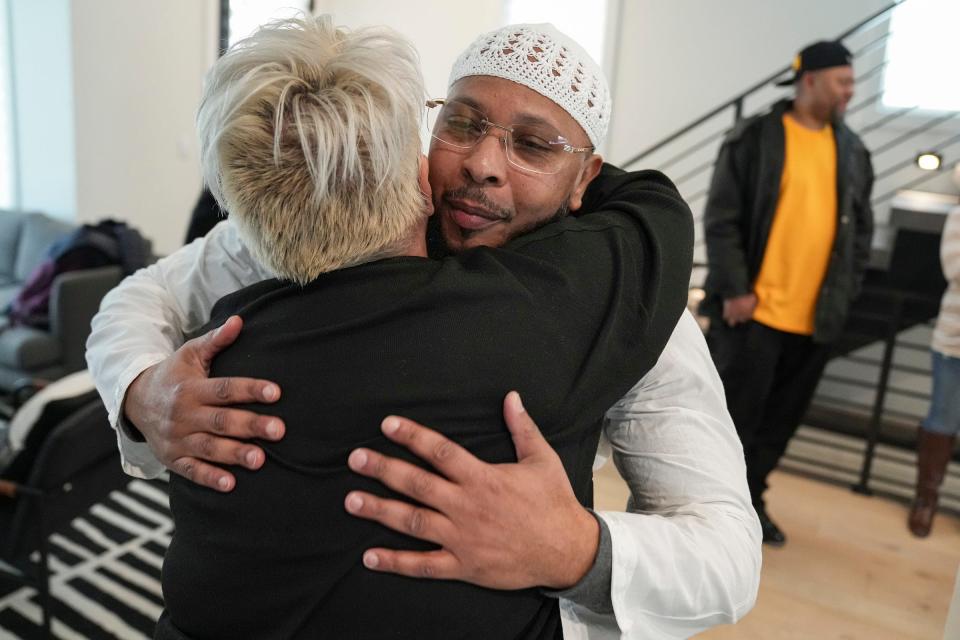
(26, 352)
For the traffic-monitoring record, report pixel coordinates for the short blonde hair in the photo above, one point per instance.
(309, 138)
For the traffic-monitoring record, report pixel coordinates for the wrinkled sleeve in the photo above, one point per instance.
(146, 318)
(686, 556)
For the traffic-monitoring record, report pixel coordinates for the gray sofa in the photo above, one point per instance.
(28, 353)
(24, 238)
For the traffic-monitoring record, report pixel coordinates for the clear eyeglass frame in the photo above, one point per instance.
(462, 126)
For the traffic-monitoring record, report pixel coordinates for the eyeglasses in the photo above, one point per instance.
(533, 148)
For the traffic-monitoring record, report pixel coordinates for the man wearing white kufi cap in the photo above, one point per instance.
(513, 148)
(558, 116)
(688, 556)
(542, 58)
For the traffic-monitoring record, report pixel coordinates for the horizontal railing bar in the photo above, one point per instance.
(921, 180)
(892, 169)
(926, 126)
(863, 25)
(854, 109)
(842, 402)
(853, 382)
(900, 368)
(678, 134)
(865, 103)
(821, 463)
(838, 446)
(695, 147)
(692, 174)
(909, 393)
(873, 44)
(871, 72)
(876, 124)
(910, 161)
(912, 346)
(900, 414)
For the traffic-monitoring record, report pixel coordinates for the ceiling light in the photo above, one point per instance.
(929, 161)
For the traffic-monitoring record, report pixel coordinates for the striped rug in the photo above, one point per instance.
(105, 571)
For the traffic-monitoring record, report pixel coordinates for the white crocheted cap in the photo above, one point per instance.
(542, 58)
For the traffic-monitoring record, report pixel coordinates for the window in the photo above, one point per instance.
(8, 162)
(585, 25)
(245, 16)
(923, 56)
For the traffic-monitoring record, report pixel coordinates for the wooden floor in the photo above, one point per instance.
(849, 571)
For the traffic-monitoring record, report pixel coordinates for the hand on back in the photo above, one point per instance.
(186, 416)
(501, 526)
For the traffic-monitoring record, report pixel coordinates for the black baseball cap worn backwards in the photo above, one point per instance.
(819, 55)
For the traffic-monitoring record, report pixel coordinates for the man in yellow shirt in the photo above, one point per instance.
(788, 226)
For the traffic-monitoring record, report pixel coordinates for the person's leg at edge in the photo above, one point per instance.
(935, 442)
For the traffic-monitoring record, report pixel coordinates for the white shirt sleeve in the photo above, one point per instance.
(687, 555)
(147, 317)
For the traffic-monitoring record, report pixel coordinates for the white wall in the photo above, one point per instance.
(138, 69)
(679, 59)
(439, 30)
(137, 76)
(126, 101)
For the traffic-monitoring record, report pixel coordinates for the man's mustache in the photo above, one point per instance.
(477, 196)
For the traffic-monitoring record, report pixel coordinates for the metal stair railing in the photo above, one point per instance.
(737, 102)
(688, 154)
(895, 135)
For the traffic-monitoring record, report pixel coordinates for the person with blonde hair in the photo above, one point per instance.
(341, 148)
(310, 138)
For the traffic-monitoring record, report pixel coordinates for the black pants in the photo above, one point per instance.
(769, 377)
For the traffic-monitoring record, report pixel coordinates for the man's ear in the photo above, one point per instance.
(425, 190)
(588, 172)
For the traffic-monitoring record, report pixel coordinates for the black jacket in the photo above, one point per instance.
(742, 203)
(571, 315)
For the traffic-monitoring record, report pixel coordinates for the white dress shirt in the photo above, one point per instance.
(686, 556)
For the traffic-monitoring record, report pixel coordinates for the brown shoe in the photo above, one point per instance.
(934, 451)
(922, 511)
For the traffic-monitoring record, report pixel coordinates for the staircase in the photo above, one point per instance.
(862, 424)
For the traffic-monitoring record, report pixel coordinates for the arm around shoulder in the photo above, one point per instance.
(667, 231)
